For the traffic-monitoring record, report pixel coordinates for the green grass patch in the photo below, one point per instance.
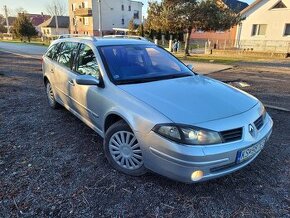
(46, 44)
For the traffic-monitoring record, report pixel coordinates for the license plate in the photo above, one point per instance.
(250, 151)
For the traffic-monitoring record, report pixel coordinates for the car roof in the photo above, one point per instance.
(104, 41)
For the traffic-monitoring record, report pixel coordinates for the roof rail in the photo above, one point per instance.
(65, 36)
(126, 37)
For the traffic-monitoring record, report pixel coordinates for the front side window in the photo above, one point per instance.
(141, 63)
(259, 29)
(287, 30)
(87, 63)
(67, 53)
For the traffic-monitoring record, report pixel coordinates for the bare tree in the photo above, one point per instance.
(20, 10)
(56, 8)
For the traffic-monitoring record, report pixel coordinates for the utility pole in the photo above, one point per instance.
(100, 18)
(56, 19)
(7, 21)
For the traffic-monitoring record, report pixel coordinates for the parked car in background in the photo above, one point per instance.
(153, 112)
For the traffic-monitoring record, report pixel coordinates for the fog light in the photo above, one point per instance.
(196, 175)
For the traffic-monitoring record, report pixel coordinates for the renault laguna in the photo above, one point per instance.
(154, 112)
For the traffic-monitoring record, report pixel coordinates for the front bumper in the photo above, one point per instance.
(178, 162)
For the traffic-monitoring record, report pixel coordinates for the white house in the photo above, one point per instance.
(48, 28)
(266, 27)
(115, 14)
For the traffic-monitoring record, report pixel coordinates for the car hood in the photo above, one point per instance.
(192, 100)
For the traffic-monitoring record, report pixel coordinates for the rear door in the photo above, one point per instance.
(49, 62)
(64, 77)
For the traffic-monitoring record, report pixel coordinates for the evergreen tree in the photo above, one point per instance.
(22, 27)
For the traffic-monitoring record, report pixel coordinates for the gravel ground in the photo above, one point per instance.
(52, 165)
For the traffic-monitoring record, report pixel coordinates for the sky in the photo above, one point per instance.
(38, 6)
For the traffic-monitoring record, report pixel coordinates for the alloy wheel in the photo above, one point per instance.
(125, 150)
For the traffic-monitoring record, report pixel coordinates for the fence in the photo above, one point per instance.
(274, 46)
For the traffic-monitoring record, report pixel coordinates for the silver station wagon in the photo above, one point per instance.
(155, 113)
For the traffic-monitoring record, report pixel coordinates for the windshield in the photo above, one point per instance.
(141, 63)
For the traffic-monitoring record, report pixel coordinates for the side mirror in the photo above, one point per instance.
(87, 80)
(190, 66)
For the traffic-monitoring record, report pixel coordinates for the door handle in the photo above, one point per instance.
(51, 70)
(71, 82)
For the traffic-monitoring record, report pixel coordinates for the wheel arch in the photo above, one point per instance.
(112, 118)
(45, 80)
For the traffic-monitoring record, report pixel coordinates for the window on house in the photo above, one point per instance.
(136, 15)
(259, 29)
(47, 31)
(122, 7)
(129, 8)
(86, 21)
(73, 6)
(123, 21)
(287, 30)
(280, 4)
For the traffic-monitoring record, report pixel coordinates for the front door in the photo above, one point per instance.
(87, 98)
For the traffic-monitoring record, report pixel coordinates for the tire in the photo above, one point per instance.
(50, 96)
(122, 150)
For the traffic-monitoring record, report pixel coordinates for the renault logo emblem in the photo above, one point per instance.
(252, 130)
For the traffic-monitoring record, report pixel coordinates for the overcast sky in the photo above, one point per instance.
(38, 6)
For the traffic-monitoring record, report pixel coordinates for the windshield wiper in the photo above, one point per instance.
(152, 79)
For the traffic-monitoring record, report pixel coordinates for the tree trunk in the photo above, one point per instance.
(186, 48)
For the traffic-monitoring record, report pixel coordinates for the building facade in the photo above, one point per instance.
(115, 15)
(49, 29)
(266, 27)
(220, 39)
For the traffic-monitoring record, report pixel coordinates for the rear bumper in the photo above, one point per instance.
(178, 162)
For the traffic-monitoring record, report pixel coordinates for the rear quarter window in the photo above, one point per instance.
(52, 51)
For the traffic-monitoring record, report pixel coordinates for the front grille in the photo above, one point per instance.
(232, 135)
(259, 122)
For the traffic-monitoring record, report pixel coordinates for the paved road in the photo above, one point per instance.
(37, 51)
(52, 165)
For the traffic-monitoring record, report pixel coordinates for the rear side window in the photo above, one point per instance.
(67, 53)
(52, 52)
(87, 63)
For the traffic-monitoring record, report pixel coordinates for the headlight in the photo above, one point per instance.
(188, 134)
